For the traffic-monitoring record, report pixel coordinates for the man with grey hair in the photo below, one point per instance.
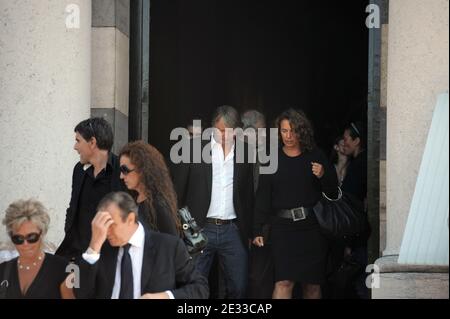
(253, 124)
(261, 272)
(253, 119)
(135, 262)
(220, 197)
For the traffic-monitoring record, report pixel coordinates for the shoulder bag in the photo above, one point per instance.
(341, 217)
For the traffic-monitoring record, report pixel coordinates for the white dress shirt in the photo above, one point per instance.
(136, 252)
(221, 205)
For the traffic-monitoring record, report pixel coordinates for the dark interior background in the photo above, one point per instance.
(257, 54)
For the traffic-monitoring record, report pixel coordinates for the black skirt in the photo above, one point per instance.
(299, 250)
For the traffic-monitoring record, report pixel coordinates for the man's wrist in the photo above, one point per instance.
(91, 256)
(96, 247)
(92, 251)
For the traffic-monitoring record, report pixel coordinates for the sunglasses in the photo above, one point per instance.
(31, 238)
(125, 170)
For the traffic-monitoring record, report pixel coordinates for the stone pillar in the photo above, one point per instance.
(418, 64)
(44, 92)
(382, 125)
(110, 65)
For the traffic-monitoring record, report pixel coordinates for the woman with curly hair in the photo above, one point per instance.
(145, 173)
(285, 200)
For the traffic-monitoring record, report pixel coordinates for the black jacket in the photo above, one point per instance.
(166, 265)
(65, 249)
(193, 184)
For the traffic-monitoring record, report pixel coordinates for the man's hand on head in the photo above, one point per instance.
(100, 225)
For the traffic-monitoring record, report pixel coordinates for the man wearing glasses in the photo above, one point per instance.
(95, 175)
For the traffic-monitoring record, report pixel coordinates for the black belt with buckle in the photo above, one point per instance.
(296, 214)
(217, 221)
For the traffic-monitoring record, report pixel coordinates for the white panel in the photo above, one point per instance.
(425, 241)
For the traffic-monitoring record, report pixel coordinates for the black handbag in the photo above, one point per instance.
(341, 217)
(193, 235)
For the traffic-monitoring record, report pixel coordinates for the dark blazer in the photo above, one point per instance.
(193, 184)
(77, 182)
(166, 265)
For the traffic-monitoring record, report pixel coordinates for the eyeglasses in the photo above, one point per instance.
(125, 170)
(31, 238)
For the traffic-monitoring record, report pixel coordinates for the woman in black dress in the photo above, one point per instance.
(145, 173)
(34, 274)
(285, 200)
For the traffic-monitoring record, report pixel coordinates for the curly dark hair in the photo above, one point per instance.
(155, 177)
(301, 126)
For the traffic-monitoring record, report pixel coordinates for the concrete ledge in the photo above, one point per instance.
(398, 281)
(389, 264)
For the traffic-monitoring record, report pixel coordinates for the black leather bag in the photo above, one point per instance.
(193, 235)
(341, 217)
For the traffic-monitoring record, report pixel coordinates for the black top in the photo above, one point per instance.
(92, 191)
(76, 227)
(164, 221)
(293, 185)
(355, 181)
(46, 284)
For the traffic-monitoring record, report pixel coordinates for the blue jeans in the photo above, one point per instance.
(225, 241)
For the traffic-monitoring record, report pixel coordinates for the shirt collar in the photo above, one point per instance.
(109, 164)
(138, 238)
(214, 142)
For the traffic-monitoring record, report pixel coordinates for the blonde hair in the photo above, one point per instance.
(26, 210)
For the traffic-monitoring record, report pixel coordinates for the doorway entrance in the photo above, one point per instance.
(257, 54)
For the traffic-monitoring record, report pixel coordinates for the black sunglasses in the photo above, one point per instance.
(125, 170)
(30, 238)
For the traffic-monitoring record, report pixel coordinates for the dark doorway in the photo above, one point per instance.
(261, 54)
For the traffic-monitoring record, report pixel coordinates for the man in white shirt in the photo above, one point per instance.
(135, 262)
(220, 197)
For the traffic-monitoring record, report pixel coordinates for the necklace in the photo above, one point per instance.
(34, 264)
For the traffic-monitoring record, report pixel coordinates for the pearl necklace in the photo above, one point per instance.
(34, 264)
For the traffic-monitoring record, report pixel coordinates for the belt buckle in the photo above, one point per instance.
(217, 221)
(298, 214)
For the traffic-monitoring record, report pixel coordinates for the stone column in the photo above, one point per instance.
(44, 92)
(110, 65)
(418, 64)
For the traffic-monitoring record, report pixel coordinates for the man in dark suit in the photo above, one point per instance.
(136, 262)
(261, 272)
(219, 194)
(95, 175)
